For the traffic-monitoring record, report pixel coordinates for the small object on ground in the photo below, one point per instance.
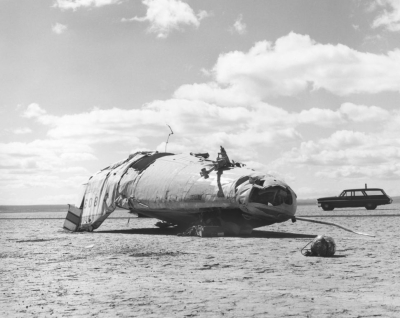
(322, 245)
(210, 231)
(203, 231)
(164, 224)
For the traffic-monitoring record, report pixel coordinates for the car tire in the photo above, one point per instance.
(327, 207)
(370, 206)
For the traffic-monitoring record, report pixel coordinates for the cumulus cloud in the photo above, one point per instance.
(75, 139)
(322, 117)
(347, 147)
(76, 4)
(386, 171)
(165, 16)
(293, 64)
(22, 131)
(38, 164)
(196, 124)
(59, 28)
(215, 94)
(33, 110)
(248, 133)
(231, 111)
(362, 113)
(352, 154)
(390, 17)
(239, 26)
(346, 113)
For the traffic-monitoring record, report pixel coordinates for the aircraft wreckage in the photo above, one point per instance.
(186, 190)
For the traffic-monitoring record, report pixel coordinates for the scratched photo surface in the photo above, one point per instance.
(130, 268)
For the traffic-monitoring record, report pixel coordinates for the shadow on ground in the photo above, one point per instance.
(175, 231)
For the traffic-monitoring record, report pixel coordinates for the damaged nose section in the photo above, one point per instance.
(272, 196)
(271, 199)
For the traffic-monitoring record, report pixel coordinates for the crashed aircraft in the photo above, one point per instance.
(185, 189)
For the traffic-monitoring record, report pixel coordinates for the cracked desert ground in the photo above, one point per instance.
(133, 269)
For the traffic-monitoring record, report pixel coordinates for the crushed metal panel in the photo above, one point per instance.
(102, 192)
(125, 188)
(113, 181)
(94, 207)
(147, 160)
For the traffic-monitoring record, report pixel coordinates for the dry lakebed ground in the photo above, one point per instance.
(130, 268)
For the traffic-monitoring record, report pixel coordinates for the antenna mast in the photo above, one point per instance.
(171, 133)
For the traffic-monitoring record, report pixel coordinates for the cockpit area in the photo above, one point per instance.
(275, 195)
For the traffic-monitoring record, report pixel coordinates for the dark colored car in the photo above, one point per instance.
(369, 198)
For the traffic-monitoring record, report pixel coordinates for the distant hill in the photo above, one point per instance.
(64, 207)
(396, 199)
(307, 202)
(34, 208)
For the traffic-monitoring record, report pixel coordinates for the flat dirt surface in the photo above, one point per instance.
(137, 270)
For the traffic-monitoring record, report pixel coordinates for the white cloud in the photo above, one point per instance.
(239, 26)
(38, 165)
(389, 19)
(215, 94)
(75, 4)
(80, 170)
(59, 28)
(362, 113)
(383, 171)
(191, 119)
(196, 122)
(197, 126)
(76, 138)
(352, 154)
(165, 16)
(22, 131)
(246, 132)
(56, 199)
(346, 147)
(296, 63)
(33, 110)
(347, 113)
(322, 117)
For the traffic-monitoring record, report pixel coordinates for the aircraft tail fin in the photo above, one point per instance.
(73, 219)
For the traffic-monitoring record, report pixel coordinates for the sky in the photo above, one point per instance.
(307, 90)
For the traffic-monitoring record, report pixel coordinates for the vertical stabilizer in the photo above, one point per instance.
(73, 219)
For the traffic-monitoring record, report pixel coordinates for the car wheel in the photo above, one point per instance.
(370, 206)
(327, 207)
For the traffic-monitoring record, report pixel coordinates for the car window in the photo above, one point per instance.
(358, 194)
(373, 192)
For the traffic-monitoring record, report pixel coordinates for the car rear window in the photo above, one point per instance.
(373, 192)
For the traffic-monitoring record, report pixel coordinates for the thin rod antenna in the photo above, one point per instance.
(171, 133)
